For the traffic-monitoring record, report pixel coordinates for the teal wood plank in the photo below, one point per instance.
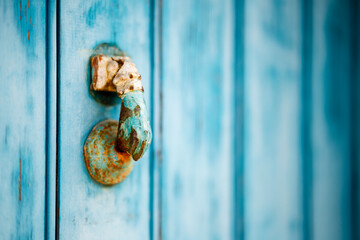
(356, 121)
(88, 210)
(51, 96)
(22, 119)
(355, 118)
(238, 125)
(156, 104)
(197, 114)
(331, 120)
(306, 109)
(272, 140)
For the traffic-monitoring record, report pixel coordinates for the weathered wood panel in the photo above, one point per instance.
(156, 104)
(238, 124)
(89, 210)
(197, 115)
(331, 120)
(51, 120)
(272, 145)
(22, 119)
(356, 120)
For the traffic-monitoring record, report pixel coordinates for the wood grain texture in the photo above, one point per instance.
(22, 119)
(272, 90)
(89, 210)
(331, 120)
(197, 114)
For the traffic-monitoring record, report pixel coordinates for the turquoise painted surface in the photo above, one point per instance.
(197, 117)
(272, 120)
(254, 107)
(299, 153)
(51, 120)
(356, 122)
(88, 210)
(22, 119)
(330, 121)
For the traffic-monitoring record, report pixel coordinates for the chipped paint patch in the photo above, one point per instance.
(25, 22)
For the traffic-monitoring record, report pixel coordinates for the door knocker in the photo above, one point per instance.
(112, 145)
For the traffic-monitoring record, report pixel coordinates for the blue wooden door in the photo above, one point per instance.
(87, 209)
(23, 120)
(254, 107)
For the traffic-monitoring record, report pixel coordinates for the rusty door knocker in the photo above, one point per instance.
(112, 145)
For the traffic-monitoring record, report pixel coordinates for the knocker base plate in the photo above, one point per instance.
(104, 163)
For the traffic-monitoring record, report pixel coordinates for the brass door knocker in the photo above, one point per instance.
(112, 145)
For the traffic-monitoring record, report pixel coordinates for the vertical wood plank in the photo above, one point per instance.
(238, 125)
(356, 120)
(197, 185)
(51, 119)
(89, 210)
(331, 120)
(22, 119)
(272, 120)
(156, 149)
(306, 110)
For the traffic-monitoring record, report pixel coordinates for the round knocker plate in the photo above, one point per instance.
(104, 163)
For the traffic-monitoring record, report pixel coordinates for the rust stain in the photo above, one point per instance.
(28, 4)
(20, 10)
(25, 13)
(19, 179)
(137, 110)
(129, 144)
(28, 36)
(138, 155)
(125, 113)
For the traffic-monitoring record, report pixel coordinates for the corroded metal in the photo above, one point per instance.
(108, 155)
(115, 74)
(127, 78)
(110, 96)
(104, 69)
(134, 133)
(104, 163)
